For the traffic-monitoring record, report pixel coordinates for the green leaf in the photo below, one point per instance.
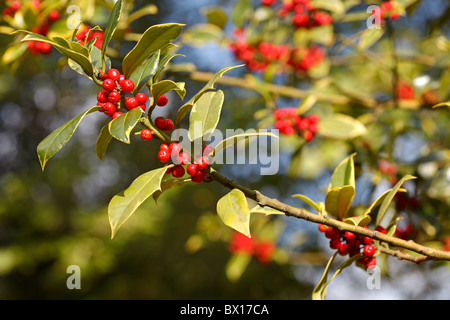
(103, 140)
(442, 104)
(184, 109)
(165, 86)
(311, 203)
(153, 39)
(79, 58)
(205, 115)
(361, 221)
(58, 138)
(338, 201)
(341, 126)
(202, 33)
(242, 11)
(343, 174)
(369, 37)
(169, 184)
(216, 15)
(265, 210)
(111, 26)
(145, 72)
(390, 196)
(13, 52)
(320, 290)
(125, 203)
(334, 6)
(120, 127)
(234, 212)
(228, 142)
(379, 200)
(96, 60)
(236, 266)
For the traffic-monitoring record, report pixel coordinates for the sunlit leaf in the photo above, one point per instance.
(205, 115)
(343, 174)
(120, 127)
(234, 211)
(103, 140)
(153, 39)
(338, 201)
(341, 126)
(111, 26)
(125, 203)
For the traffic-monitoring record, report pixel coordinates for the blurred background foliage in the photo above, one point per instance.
(178, 249)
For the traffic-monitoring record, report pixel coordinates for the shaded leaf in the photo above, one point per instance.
(58, 138)
(169, 184)
(145, 72)
(111, 26)
(103, 140)
(320, 290)
(265, 210)
(236, 266)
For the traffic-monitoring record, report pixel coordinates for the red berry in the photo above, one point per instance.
(168, 125)
(367, 240)
(163, 155)
(15, 6)
(349, 236)
(178, 171)
(192, 169)
(109, 108)
(142, 106)
(164, 147)
(197, 177)
(109, 85)
(102, 76)
(308, 135)
(114, 96)
(169, 170)
(102, 96)
(380, 229)
(130, 103)
(331, 233)
(322, 227)
(207, 149)
(53, 15)
(113, 74)
(335, 243)
(369, 250)
(127, 85)
(343, 248)
(174, 148)
(45, 48)
(183, 158)
(202, 163)
(146, 134)
(162, 101)
(116, 114)
(370, 262)
(141, 98)
(160, 122)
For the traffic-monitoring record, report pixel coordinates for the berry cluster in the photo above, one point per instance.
(348, 243)
(45, 48)
(197, 170)
(288, 122)
(388, 10)
(259, 56)
(302, 13)
(11, 10)
(86, 35)
(114, 87)
(262, 250)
